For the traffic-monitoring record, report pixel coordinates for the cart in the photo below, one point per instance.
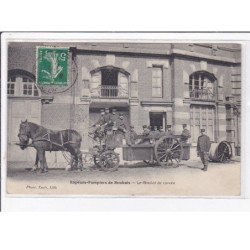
(168, 151)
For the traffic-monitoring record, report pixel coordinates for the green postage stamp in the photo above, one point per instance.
(52, 66)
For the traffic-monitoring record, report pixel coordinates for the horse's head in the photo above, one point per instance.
(24, 134)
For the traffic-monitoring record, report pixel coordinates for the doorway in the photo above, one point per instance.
(157, 119)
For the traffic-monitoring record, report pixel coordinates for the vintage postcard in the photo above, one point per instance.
(123, 118)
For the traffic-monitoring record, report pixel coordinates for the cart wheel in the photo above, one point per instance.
(168, 152)
(224, 151)
(109, 161)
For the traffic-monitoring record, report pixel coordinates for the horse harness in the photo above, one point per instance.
(54, 138)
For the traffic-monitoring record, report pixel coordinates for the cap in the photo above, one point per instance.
(161, 127)
(169, 126)
(144, 126)
(132, 126)
(120, 114)
(203, 130)
(107, 109)
(113, 110)
(184, 125)
(149, 127)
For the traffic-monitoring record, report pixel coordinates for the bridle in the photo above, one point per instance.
(24, 135)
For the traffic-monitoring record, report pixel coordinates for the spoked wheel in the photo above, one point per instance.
(109, 161)
(168, 152)
(224, 152)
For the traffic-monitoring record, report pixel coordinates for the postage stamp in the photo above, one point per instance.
(52, 66)
(123, 118)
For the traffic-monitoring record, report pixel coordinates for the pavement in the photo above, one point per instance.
(221, 179)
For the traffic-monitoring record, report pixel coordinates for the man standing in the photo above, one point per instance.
(185, 135)
(203, 147)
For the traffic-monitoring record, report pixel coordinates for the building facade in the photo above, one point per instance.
(151, 84)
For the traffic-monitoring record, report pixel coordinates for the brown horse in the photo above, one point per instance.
(48, 140)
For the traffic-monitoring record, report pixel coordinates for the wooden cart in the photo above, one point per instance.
(168, 151)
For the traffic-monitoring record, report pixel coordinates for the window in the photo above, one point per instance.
(157, 81)
(202, 117)
(109, 82)
(30, 89)
(11, 89)
(21, 86)
(201, 86)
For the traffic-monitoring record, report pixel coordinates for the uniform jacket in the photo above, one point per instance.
(106, 118)
(203, 144)
(133, 136)
(146, 131)
(100, 121)
(186, 133)
(120, 124)
(154, 134)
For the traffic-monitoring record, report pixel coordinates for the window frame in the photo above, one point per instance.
(19, 86)
(155, 66)
(196, 83)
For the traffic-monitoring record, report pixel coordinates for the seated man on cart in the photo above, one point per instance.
(145, 136)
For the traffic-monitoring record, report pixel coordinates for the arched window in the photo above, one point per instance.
(109, 82)
(21, 83)
(202, 86)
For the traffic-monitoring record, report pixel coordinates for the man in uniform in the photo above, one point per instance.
(133, 135)
(101, 118)
(203, 147)
(114, 117)
(155, 134)
(161, 132)
(145, 134)
(169, 130)
(185, 135)
(97, 133)
(106, 117)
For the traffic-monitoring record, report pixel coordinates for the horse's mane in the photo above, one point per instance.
(35, 126)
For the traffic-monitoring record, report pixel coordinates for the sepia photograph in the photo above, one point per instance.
(123, 118)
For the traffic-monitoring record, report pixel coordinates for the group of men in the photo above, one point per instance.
(110, 122)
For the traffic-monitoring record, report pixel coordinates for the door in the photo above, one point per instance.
(157, 119)
(20, 110)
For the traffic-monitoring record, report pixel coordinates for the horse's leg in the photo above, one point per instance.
(72, 158)
(73, 162)
(45, 165)
(41, 156)
(79, 156)
(35, 167)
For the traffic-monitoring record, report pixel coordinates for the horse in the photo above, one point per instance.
(44, 139)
